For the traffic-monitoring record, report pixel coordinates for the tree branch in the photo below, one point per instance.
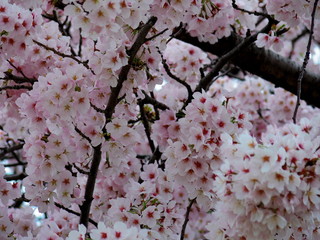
(156, 35)
(305, 62)
(264, 63)
(140, 40)
(18, 79)
(4, 151)
(170, 74)
(15, 164)
(235, 6)
(207, 80)
(149, 100)
(186, 219)
(85, 64)
(74, 212)
(15, 177)
(113, 101)
(82, 134)
(17, 87)
(145, 123)
(91, 181)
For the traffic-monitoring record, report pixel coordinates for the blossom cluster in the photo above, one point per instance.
(269, 189)
(193, 154)
(17, 25)
(118, 231)
(78, 91)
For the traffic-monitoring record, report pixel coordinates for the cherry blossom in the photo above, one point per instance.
(137, 120)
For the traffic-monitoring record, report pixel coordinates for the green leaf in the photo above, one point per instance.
(77, 89)
(4, 33)
(233, 120)
(180, 114)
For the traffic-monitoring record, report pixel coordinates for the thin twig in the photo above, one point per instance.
(145, 123)
(235, 6)
(156, 35)
(91, 181)
(112, 103)
(85, 63)
(205, 82)
(293, 41)
(80, 170)
(15, 177)
(80, 42)
(177, 31)
(186, 219)
(155, 156)
(17, 69)
(96, 108)
(305, 62)
(4, 151)
(15, 164)
(74, 212)
(221, 75)
(149, 100)
(82, 134)
(17, 87)
(18, 79)
(170, 74)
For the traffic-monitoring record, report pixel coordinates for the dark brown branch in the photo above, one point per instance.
(17, 69)
(186, 219)
(17, 87)
(264, 63)
(177, 31)
(15, 177)
(156, 35)
(96, 108)
(145, 123)
(80, 170)
(18, 79)
(149, 100)
(15, 164)
(125, 70)
(4, 151)
(113, 101)
(170, 74)
(207, 80)
(91, 181)
(235, 6)
(156, 156)
(80, 43)
(63, 54)
(74, 212)
(293, 41)
(82, 134)
(305, 62)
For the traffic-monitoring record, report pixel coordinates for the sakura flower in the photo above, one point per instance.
(275, 221)
(150, 216)
(266, 158)
(101, 233)
(311, 196)
(263, 40)
(79, 234)
(150, 172)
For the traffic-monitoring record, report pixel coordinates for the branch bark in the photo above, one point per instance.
(91, 181)
(112, 103)
(186, 219)
(264, 63)
(15, 177)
